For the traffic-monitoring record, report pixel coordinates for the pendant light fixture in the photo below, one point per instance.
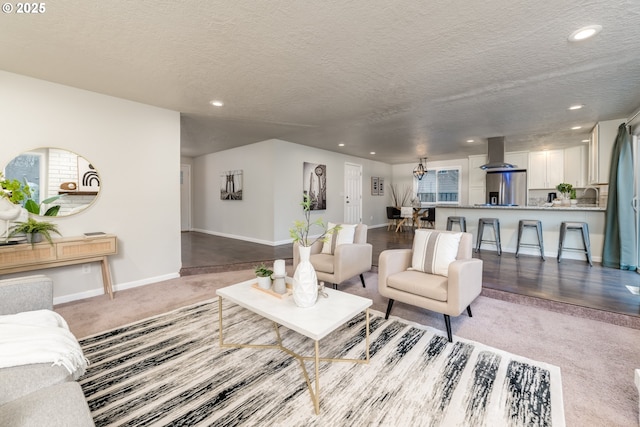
(419, 171)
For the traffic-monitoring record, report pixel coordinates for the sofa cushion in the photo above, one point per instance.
(345, 235)
(433, 251)
(58, 405)
(417, 283)
(322, 262)
(18, 381)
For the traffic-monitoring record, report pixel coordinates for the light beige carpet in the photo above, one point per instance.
(597, 359)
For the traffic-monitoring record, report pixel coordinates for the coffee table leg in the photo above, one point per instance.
(367, 334)
(316, 400)
(220, 320)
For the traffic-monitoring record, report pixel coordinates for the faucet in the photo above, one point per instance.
(595, 189)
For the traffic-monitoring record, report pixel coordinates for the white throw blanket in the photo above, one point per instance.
(40, 336)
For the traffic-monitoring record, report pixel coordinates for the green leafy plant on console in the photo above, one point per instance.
(32, 228)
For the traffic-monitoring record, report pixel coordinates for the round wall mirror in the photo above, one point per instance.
(61, 182)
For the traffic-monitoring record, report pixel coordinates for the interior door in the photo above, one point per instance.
(352, 193)
(185, 197)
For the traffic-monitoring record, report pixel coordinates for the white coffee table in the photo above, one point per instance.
(314, 322)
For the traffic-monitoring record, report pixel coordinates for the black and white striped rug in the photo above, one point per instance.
(170, 370)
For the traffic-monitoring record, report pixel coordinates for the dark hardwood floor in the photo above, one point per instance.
(571, 282)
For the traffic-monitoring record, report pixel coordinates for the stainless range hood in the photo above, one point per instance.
(496, 154)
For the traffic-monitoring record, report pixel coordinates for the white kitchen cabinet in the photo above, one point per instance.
(520, 159)
(477, 180)
(575, 165)
(603, 137)
(546, 169)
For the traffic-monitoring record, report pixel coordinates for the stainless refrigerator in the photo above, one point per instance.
(507, 187)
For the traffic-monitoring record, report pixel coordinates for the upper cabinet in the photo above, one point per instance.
(477, 180)
(603, 137)
(520, 159)
(546, 169)
(575, 165)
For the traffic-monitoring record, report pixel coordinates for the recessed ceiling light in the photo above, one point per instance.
(576, 127)
(341, 144)
(373, 152)
(470, 140)
(576, 107)
(585, 32)
(585, 140)
(216, 103)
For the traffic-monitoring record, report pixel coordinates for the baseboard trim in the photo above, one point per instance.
(119, 287)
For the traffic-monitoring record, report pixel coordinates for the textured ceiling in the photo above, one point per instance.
(402, 78)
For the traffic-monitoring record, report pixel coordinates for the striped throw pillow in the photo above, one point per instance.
(433, 251)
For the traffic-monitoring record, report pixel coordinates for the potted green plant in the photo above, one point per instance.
(35, 230)
(263, 273)
(572, 196)
(565, 189)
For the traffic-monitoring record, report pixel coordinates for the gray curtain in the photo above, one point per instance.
(620, 230)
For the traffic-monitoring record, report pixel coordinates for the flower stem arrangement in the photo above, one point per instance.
(300, 230)
(33, 228)
(399, 197)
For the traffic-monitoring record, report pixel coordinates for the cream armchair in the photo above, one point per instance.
(347, 261)
(447, 295)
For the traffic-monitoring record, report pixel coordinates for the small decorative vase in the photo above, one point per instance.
(305, 281)
(264, 282)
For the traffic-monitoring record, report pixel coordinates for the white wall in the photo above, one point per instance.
(272, 190)
(136, 150)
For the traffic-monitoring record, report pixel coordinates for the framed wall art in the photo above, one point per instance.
(314, 181)
(374, 185)
(231, 185)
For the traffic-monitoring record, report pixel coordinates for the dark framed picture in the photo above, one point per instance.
(231, 185)
(314, 178)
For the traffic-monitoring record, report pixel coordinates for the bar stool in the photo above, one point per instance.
(460, 220)
(582, 226)
(530, 223)
(492, 222)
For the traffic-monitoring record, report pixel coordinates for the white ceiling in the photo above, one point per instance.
(405, 79)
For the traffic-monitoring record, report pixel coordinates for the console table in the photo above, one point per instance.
(63, 252)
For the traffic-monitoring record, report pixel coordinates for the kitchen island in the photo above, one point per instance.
(551, 218)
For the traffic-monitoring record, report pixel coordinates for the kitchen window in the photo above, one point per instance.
(440, 185)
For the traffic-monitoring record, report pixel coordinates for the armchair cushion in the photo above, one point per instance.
(417, 283)
(434, 251)
(322, 262)
(345, 235)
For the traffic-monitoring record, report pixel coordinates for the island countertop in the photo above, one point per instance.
(551, 218)
(531, 208)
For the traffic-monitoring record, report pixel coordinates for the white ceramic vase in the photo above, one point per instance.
(305, 281)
